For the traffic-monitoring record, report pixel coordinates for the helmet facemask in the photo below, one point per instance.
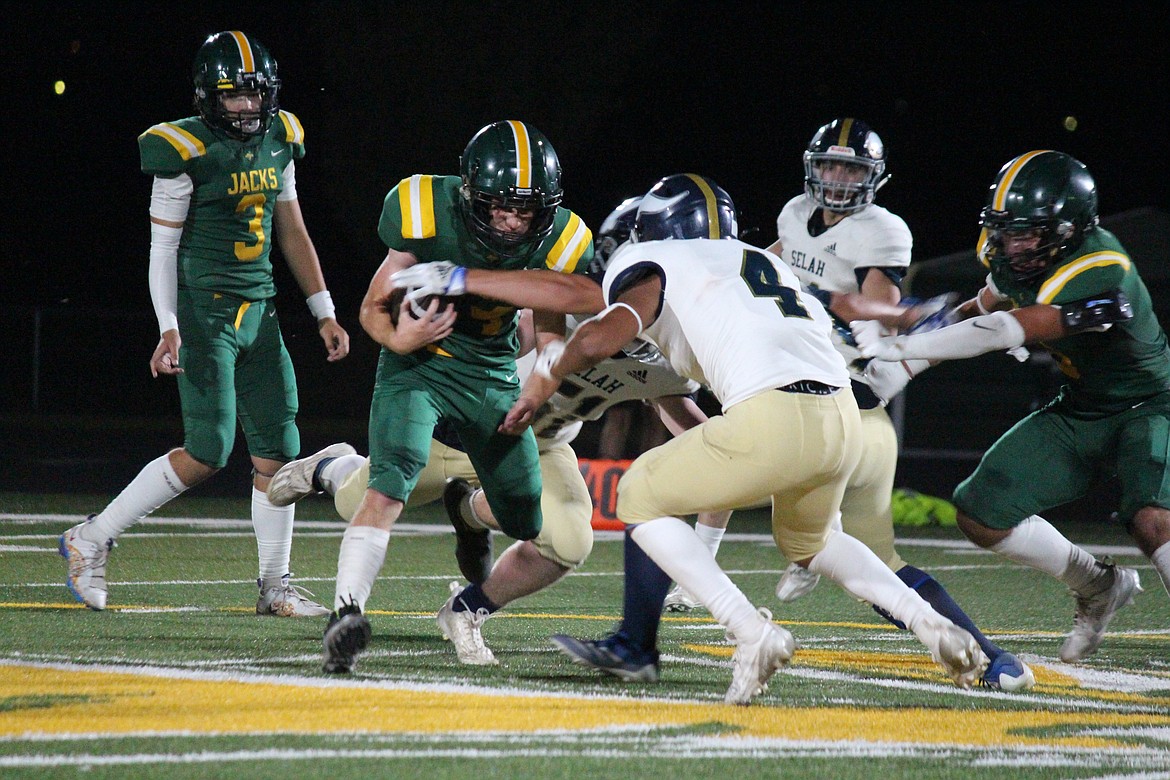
(839, 181)
(1027, 248)
(502, 242)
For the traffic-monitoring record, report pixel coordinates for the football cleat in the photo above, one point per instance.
(347, 634)
(796, 581)
(1094, 612)
(680, 600)
(1008, 673)
(614, 655)
(86, 576)
(463, 629)
(473, 546)
(294, 480)
(957, 652)
(280, 598)
(754, 663)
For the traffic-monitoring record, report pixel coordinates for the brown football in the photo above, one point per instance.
(392, 304)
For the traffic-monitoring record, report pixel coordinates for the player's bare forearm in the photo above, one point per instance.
(538, 289)
(299, 253)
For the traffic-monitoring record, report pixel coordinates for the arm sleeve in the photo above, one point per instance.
(969, 338)
(170, 200)
(289, 190)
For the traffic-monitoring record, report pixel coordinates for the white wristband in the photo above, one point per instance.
(321, 305)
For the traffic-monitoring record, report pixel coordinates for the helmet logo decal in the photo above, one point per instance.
(245, 51)
(523, 156)
(1005, 185)
(712, 206)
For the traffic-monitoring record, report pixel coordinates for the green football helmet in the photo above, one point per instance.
(232, 61)
(1046, 193)
(510, 165)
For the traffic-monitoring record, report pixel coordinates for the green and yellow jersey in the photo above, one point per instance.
(422, 215)
(1109, 371)
(227, 236)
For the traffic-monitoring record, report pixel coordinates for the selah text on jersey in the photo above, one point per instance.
(838, 258)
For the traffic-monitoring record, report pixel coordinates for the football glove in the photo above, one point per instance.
(423, 279)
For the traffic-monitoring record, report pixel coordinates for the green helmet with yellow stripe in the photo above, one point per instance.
(230, 62)
(510, 165)
(1045, 193)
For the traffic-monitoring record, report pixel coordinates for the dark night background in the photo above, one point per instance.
(626, 92)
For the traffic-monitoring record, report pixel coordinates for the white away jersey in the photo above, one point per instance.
(638, 373)
(870, 238)
(733, 316)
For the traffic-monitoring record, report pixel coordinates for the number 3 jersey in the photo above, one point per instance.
(838, 258)
(228, 233)
(733, 317)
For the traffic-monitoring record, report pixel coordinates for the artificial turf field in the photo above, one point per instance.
(179, 677)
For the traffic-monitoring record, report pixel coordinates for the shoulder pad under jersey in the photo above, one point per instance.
(168, 148)
(570, 247)
(289, 130)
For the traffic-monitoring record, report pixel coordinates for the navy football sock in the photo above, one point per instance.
(473, 599)
(645, 589)
(317, 474)
(936, 595)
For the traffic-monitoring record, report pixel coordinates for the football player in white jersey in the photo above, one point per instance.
(732, 317)
(837, 240)
(637, 372)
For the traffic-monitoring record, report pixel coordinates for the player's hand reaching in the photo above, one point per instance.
(335, 338)
(165, 359)
(873, 342)
(424, 279)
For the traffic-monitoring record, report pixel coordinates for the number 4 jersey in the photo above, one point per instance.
(227, 236)
(733, 317)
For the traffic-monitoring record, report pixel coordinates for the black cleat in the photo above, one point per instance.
(347, 634)
(473, 546)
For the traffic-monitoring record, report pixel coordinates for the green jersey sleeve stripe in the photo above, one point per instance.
(1051, 288)
(294, 133)
(571, 244)
(187, 145)
(417, 201)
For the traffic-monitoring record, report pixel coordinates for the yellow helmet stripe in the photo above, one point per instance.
(523, 154)
(1051, 288)
(245, 51)
(712, 205)
(846, 128)
(185, 144)
(293, 132)
(570, 246)
(1005, 184)
(417, 201)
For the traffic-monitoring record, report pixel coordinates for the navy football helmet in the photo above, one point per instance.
(230, 62)
(615, 230)
(1043, 192)
(852, 143)
(683, 206)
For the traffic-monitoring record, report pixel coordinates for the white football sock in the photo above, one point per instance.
(335, 471)
(673, 545)
(363, 550)
(1036, 543)
(274, 531)
(711, 537)
(854, 567)
(155, 485)
(1161, 559)
(468, 513)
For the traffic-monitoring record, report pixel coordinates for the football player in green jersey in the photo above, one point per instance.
(1062, 283)
(456, 364)
(224, 186)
